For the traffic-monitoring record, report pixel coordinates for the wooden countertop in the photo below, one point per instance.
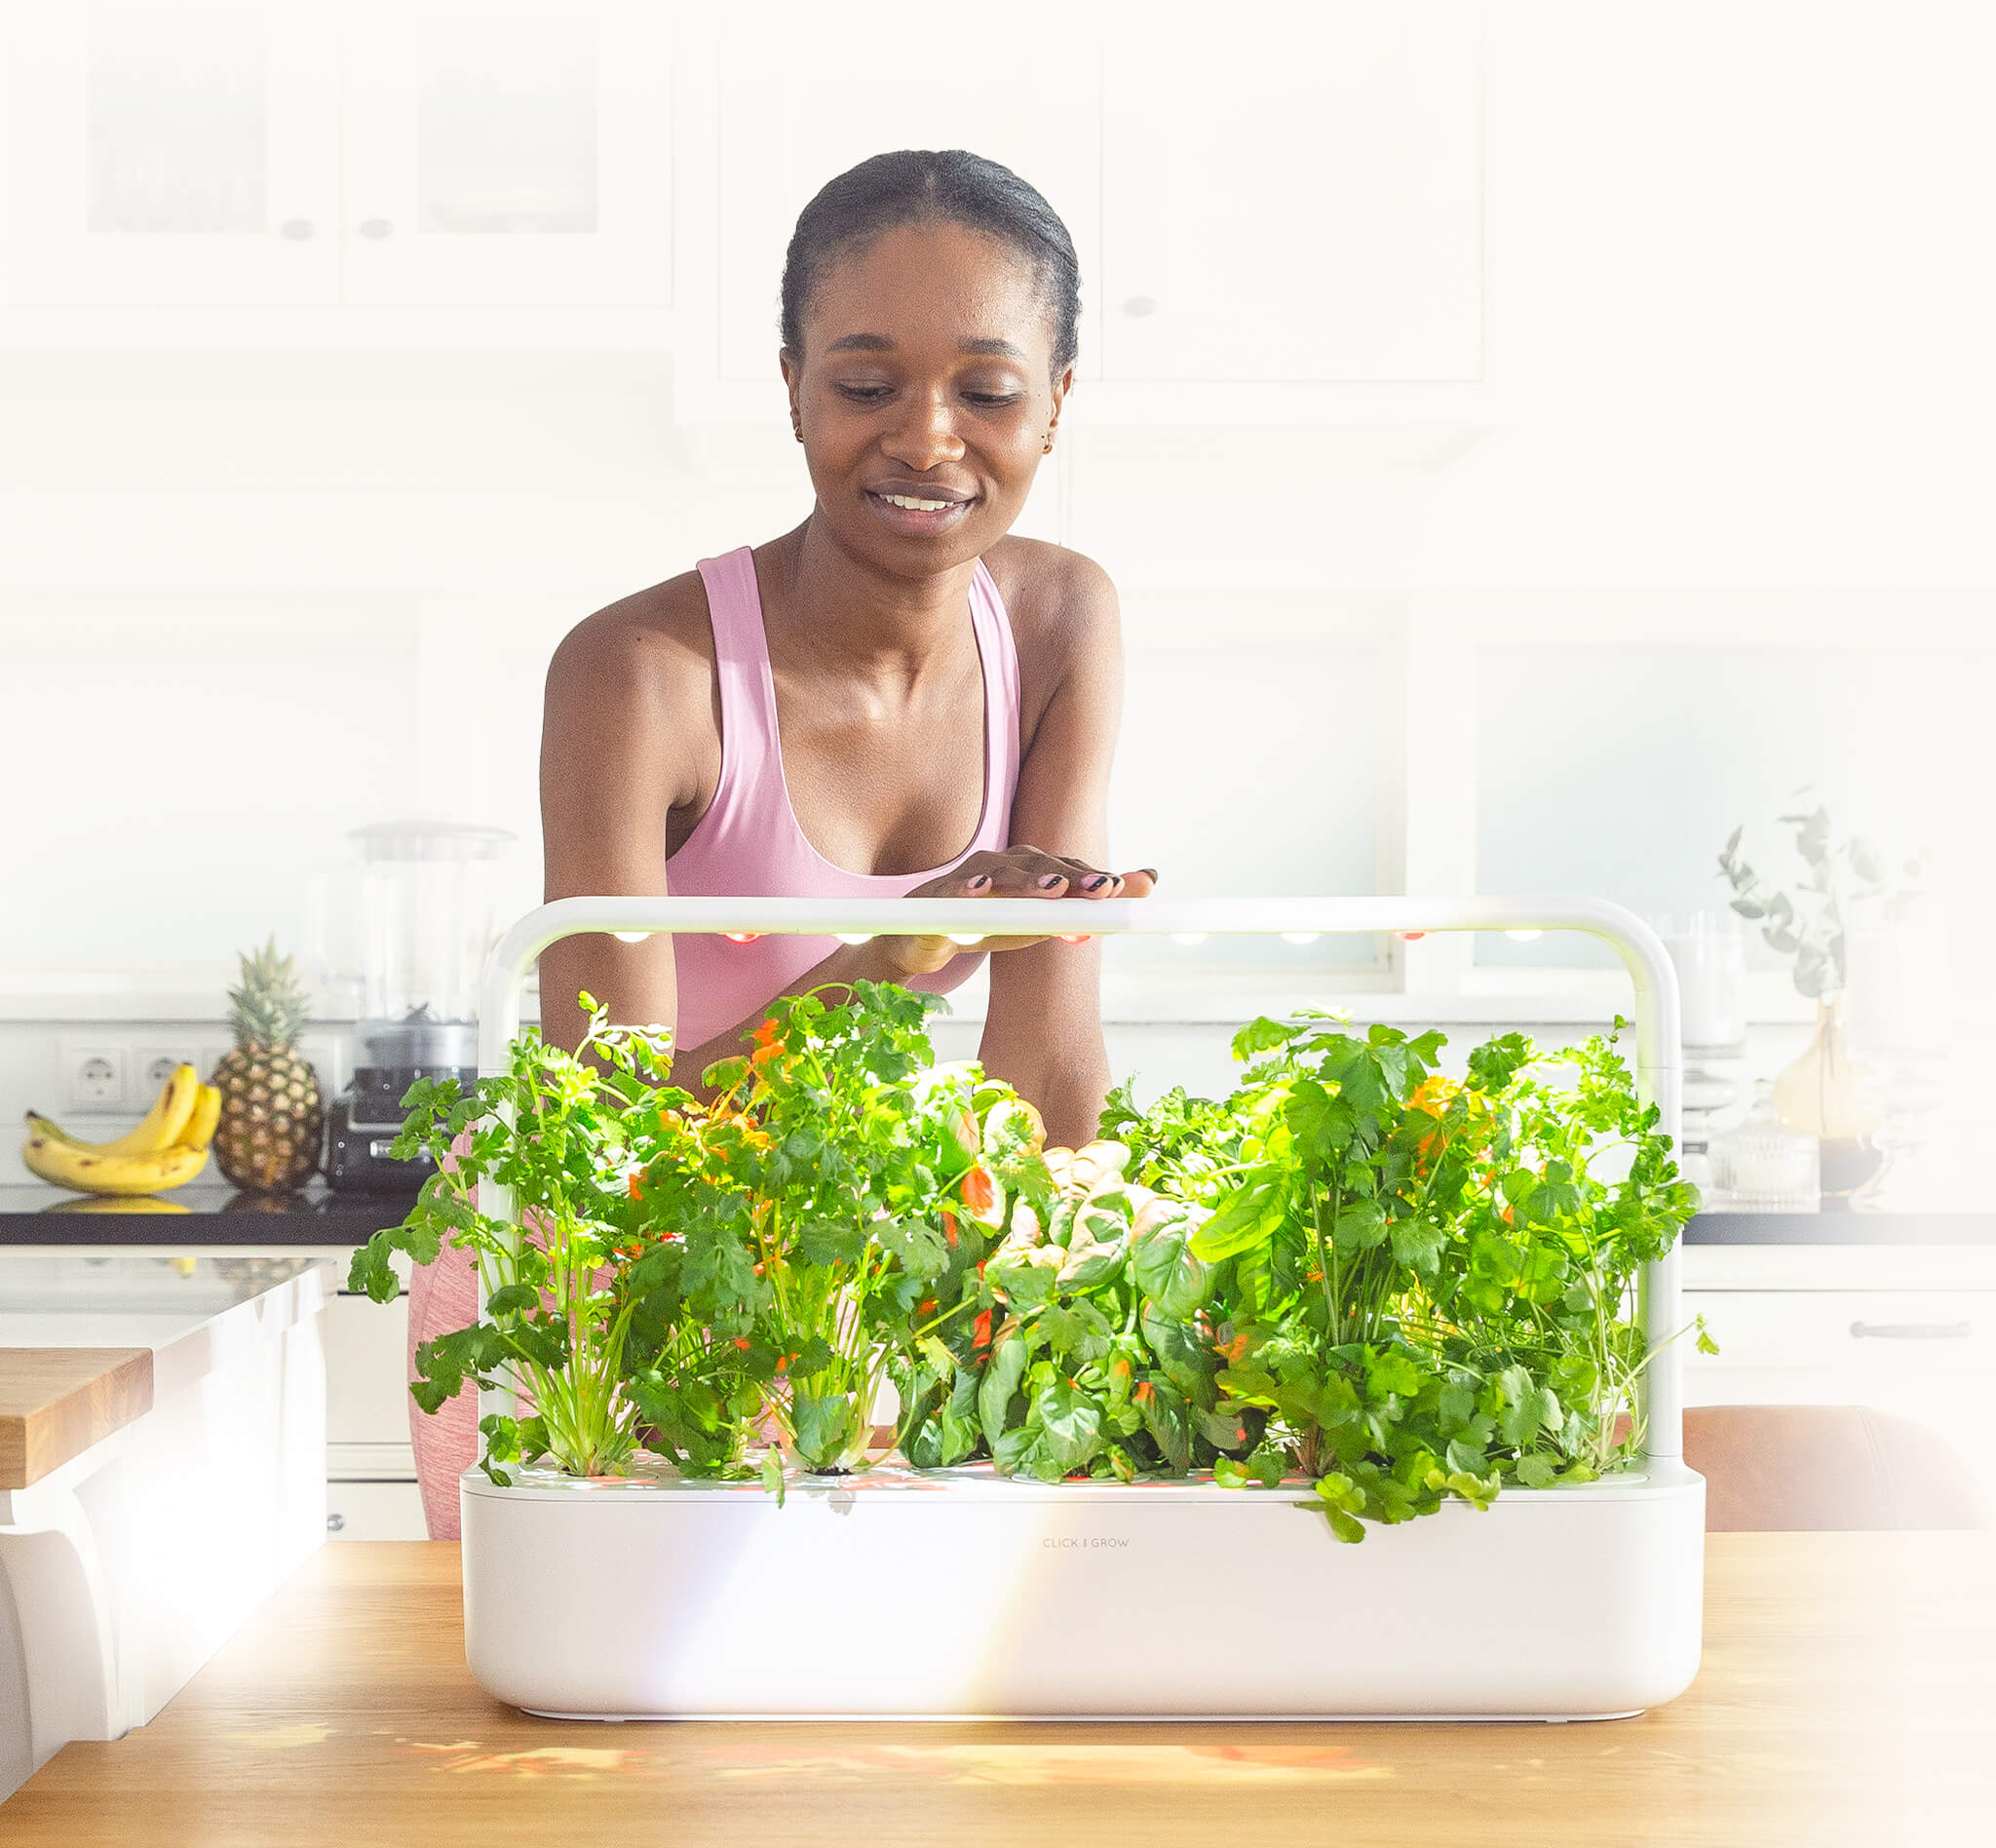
(1848, 1694)
(55, 1402)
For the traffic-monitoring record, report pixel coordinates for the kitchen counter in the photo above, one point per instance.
(203, 1213)
(217, 1214)
(162, 1470)
(1848, 1695)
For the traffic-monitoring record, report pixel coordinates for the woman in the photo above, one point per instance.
(837, 711)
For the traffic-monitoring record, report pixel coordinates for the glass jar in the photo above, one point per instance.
(1762, 1165)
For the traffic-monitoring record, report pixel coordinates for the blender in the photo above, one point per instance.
(425, 915)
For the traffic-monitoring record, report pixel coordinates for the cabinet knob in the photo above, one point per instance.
(298, 230)
(334, 1523)
(375, 228)
(1141, 305)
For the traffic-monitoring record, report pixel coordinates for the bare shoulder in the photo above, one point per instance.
(1062, 606)
(656, 643)
(633, 690)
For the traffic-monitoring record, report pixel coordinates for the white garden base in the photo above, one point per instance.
(955, 1593)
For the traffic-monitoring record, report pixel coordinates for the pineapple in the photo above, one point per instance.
(272, 1112)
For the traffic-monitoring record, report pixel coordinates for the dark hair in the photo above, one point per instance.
(921, 186)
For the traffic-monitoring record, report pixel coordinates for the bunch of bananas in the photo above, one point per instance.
(165, 1150)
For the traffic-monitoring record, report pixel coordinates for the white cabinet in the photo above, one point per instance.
(1280, 221)
(245, 153)
(170, 154)
(1910, 1330)
(367, 1389)
(374, 1511)
(515, 153)
(370, 1471)
(1294, 198)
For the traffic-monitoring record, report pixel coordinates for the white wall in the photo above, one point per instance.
(1737, 324)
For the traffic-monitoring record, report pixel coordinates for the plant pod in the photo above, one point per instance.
(827, 1433)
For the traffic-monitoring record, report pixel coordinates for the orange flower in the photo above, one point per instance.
(633, 1185)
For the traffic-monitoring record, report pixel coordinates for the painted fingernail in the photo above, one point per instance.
(1149, 872)
(1049, 880)
(978, 881)
(1097, 883)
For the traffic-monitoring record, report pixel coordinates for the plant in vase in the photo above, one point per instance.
(1822, 1093)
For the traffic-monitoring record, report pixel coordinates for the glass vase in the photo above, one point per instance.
(1824, 1094)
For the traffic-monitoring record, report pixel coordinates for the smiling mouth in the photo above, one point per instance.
(915, 512)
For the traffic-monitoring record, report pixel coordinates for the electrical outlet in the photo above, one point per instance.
(154, 1061)
(93, 1076)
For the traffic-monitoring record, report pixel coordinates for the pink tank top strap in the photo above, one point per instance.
(748, 688)
(1002, 704)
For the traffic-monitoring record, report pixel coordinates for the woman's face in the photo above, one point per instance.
(925, 377)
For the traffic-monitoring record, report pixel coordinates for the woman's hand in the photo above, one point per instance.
(1016, 873)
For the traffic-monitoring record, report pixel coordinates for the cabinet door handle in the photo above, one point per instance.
(1911, 1331)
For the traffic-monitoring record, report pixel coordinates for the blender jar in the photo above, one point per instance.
(424, 925)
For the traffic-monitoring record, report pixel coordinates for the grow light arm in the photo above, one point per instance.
(1659, 1074)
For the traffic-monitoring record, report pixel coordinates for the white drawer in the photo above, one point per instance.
(366, 1382)
(374, 1511)
(1860, 1334)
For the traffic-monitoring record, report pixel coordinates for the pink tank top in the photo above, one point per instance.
(748, 841)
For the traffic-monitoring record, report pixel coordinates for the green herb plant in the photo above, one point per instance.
(820, 1155)
(564, 1290)
(1423, 1286)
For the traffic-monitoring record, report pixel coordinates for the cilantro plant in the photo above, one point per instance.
(592, 1291)
(1423, 1286)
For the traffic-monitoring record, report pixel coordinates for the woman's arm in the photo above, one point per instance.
(616, 758)
(1044, 1031)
